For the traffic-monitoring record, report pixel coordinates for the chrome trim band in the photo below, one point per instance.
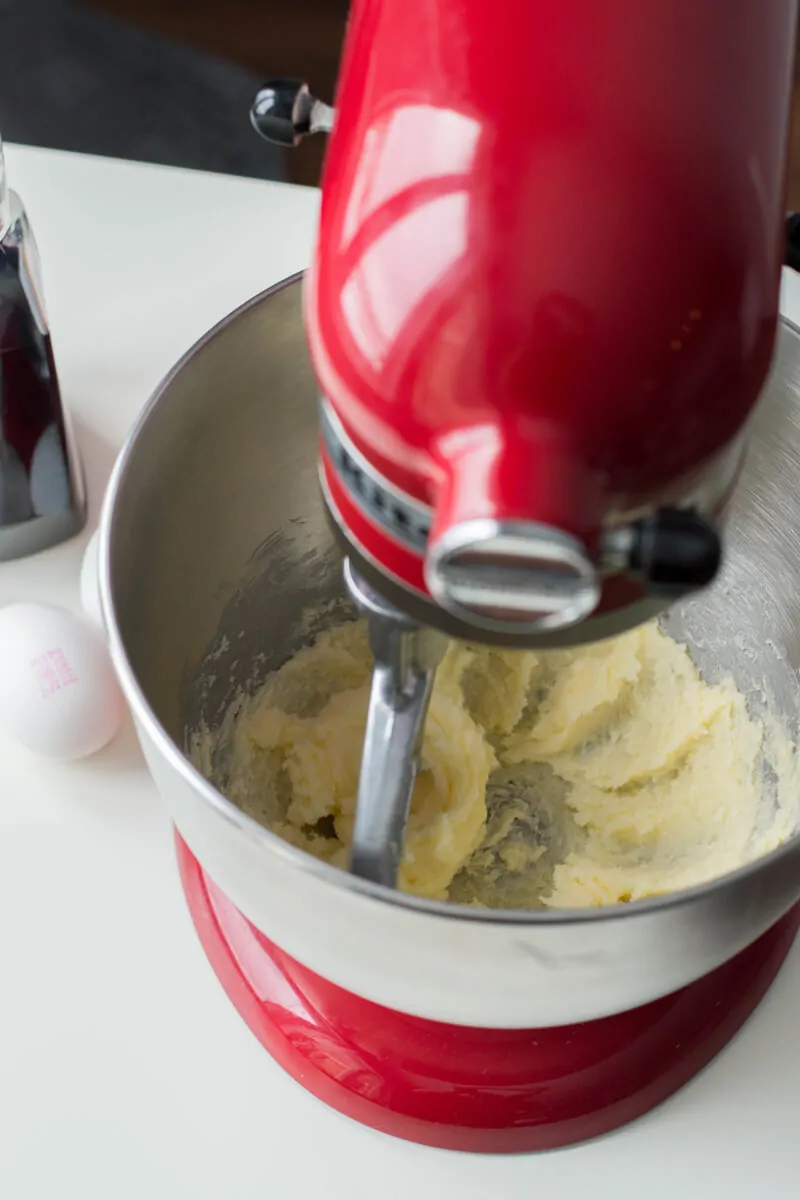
(397, 514)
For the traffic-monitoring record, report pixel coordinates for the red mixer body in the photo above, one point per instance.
(547, 275)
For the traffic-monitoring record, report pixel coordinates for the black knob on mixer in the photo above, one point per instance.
(792, 251)
(284, 112)
(674, 552)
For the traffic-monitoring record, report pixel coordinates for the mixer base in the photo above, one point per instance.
(484, 1090)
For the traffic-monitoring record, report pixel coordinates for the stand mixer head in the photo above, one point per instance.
(523, 441)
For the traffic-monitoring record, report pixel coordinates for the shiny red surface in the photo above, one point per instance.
(550, 244)
(474, 1089)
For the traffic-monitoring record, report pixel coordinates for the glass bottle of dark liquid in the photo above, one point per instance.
(42, 498)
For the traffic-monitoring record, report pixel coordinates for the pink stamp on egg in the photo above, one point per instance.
(53, 672)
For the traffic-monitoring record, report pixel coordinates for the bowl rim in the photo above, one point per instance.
(265, 839)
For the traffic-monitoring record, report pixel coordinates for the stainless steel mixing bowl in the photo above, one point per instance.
(214, 541)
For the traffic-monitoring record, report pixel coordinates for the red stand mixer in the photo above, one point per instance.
(542, 307)
(523, 440)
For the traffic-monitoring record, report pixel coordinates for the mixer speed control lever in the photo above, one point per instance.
(673, 552)
(284, 112)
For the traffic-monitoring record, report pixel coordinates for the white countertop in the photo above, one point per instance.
(125, 1073)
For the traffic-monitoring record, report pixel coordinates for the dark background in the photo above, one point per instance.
(171, 81)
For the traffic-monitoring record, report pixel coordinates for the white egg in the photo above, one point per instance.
(59, 695)
(90, 582)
